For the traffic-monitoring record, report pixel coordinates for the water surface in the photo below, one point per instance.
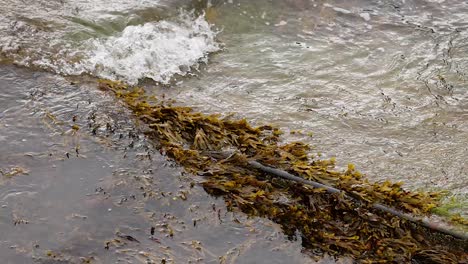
(381, 84)
(97, 192)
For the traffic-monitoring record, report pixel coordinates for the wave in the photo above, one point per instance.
(155, 50)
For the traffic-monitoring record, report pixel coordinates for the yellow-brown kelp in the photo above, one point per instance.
(219, 149)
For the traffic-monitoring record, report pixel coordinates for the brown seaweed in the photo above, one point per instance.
(219, 149)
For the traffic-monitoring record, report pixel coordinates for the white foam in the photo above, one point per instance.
(154, 50)
(365, 16)
(338, 9)
(281, 23)
(342, 10)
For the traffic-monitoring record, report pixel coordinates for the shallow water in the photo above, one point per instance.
(68, 204)
(381, 85)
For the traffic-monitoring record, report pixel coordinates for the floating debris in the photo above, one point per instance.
(14, 171)
(220, 149)
(19, 221)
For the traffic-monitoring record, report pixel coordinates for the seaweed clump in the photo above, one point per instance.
(219, 149)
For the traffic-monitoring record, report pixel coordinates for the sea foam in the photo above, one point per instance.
(156, 50)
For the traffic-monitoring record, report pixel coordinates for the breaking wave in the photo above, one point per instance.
(155, 50)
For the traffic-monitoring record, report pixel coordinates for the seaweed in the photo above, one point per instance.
(219, 149)
(14, 171)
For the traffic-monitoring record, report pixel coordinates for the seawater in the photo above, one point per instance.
(380, 84)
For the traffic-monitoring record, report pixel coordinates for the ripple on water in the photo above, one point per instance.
(119, 41)
(69, 206)
(390, 98)
(386, 90)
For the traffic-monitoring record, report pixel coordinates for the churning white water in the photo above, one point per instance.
(153, 50)
(107, 43)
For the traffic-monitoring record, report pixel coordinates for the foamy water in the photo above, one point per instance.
(154, 50)
(381, 84)
(114, 45)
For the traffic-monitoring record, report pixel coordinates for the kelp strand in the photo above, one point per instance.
(328, 223)
(378, 206)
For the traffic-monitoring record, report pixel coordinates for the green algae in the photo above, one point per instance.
(453, 208)
(219, 148)
(450, 204)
